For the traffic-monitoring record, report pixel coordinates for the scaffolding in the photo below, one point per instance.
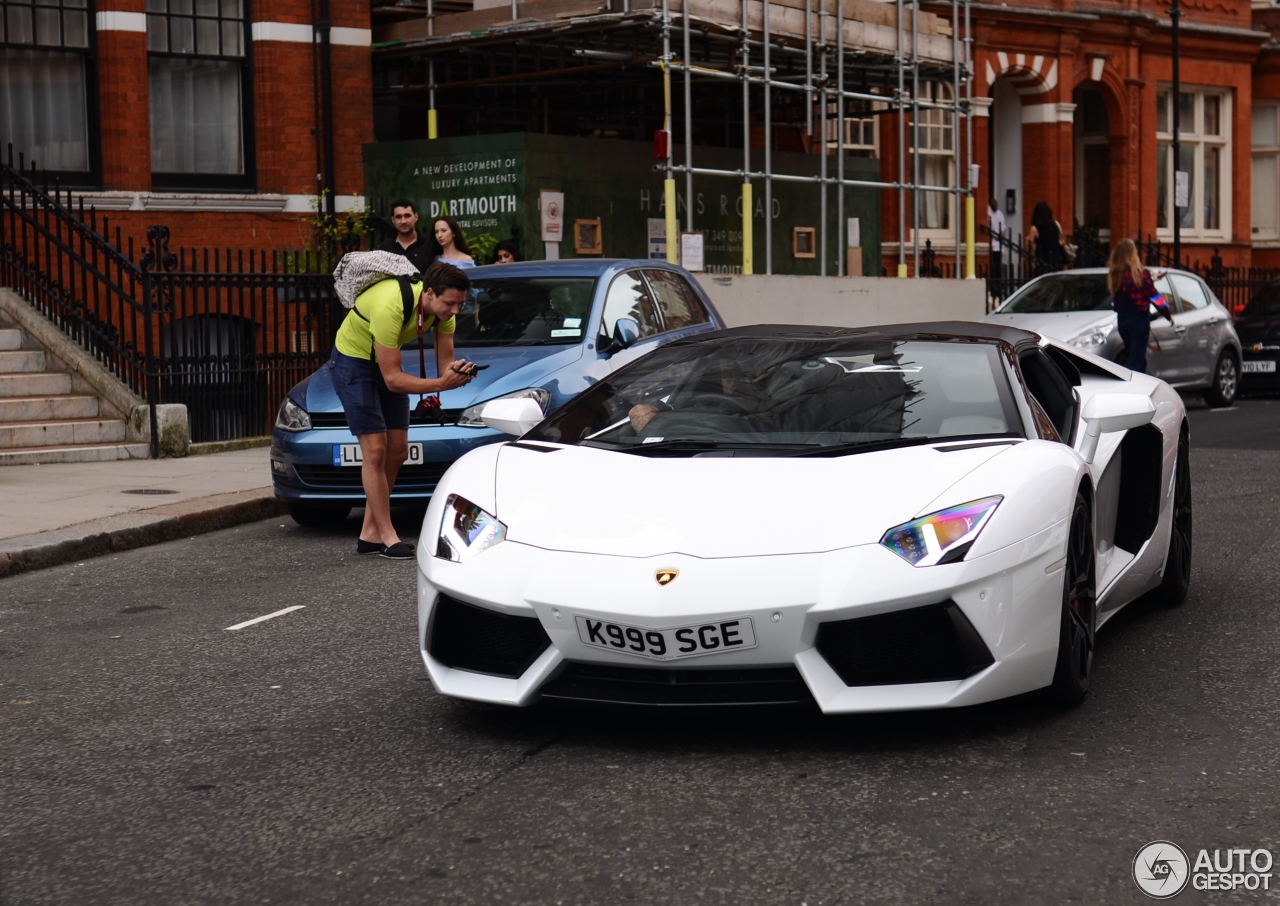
(888, 50)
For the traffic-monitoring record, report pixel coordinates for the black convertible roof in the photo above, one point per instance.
(973, 331)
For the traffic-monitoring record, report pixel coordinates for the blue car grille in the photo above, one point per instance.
(435, 417)
(338, 478)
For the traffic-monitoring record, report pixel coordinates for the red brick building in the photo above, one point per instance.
(206, 115)
(1074, 105)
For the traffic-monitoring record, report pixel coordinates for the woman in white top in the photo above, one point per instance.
(450, 246)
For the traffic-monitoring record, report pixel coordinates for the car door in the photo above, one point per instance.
(1165, 345)
(1201, 324)
(629, 296)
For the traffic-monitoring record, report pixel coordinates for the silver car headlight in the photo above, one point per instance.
(466, 530)
(1092, 338)
(470, 417)
(292, 417)
(941, 537)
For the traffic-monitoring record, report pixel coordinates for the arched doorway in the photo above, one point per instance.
(1093, 161)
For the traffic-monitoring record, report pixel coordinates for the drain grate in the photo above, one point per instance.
(148, 491)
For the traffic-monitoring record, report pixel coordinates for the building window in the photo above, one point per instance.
(861, 136)
(1266, 172)
(1204, 134)
(201, 123)
(45, 81)
(937, 157)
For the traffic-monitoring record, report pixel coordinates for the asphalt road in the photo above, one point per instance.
(149, 756)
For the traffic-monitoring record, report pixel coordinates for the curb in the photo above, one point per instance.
(141, 528)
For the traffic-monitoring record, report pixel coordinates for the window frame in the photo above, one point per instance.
(1192, 136)
(1270, 153)
(92, 177)
(247, 181)
(695, 304)
(941, 122)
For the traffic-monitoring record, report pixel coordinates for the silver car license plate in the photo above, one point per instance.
(718, 637)
(1258, 367)
(349, 455)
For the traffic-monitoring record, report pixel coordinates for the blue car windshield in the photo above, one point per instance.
(816, 397)
(525, 311)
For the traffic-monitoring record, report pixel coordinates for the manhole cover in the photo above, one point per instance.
(148, 491)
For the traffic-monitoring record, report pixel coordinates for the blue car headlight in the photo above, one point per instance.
(470, 417)
(292, 417)
(466, 530)
(941, 537)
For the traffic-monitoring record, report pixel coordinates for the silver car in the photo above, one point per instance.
(1199, 352)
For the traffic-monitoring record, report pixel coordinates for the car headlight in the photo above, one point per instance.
(1092, 339)
(466, 530)
(292, 417)
(941, 537)
(470, 417)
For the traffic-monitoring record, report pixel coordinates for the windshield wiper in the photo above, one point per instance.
(866, 446)
(679, 446)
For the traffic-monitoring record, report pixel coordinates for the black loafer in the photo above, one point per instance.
(398, 551)
(369, 547)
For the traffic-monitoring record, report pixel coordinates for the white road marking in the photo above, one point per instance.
(270, 616)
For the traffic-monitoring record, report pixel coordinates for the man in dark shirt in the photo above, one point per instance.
(407, 241)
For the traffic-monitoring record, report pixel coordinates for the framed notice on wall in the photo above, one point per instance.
(586, 237)
(691, 252)
(804, 242)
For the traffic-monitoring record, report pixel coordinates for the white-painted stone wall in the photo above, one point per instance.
(842, 301)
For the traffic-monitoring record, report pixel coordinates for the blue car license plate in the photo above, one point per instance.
(349, 455)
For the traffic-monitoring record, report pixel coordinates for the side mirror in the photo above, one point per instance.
(625, 332)
(1110, 412)
(517, 416)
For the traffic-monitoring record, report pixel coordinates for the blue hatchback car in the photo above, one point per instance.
(547, 329)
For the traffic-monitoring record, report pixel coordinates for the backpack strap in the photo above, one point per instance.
(407, 300)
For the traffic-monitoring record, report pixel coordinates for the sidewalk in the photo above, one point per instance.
(58, 513)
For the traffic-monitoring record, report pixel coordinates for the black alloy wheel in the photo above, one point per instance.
(1172, 590)
(1079, 611)
(1226, 382)
(314, 515)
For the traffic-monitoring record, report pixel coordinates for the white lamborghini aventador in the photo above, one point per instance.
(915, 516)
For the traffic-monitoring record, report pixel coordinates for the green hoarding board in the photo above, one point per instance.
(492, 185)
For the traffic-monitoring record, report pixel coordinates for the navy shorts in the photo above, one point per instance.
(370, 407)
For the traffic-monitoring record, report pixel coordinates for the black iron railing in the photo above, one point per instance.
(224, 331)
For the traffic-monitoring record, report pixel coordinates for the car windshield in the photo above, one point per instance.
(525, 311)
(1060, 293)
(1265, 302)
(770, 397)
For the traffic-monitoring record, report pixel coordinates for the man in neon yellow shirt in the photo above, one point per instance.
(374, 391)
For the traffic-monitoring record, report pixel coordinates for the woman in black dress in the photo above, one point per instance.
(1045, 237)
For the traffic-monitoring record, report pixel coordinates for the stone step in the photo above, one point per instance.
(43, 384)
(47, 408)
(73, 453)
(21, 361)
(10, 338)
(65, 432)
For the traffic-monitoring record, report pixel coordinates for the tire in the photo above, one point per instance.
(312, 515)
(1078, 627)
(1172, 589)
(1226, 382)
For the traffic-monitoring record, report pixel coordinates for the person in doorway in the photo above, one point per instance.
(998, 228)
(375, 392)
(506, 252)
(449, 245)
(1045, 237)
(408, 241)
(1133, 292)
